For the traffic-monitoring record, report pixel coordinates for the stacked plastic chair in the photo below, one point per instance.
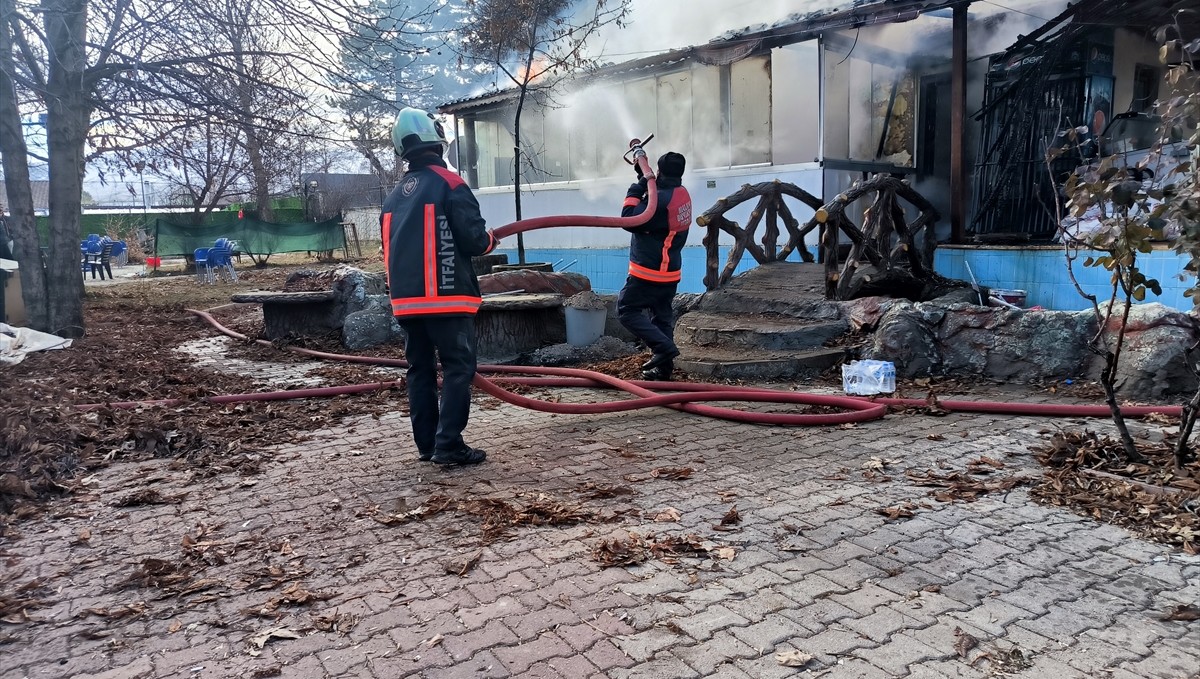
(220, 259)
(203, 270)
(120, 253)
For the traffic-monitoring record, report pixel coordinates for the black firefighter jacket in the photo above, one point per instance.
(655, 249)
(431, 230)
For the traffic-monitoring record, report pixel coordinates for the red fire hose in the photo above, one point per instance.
(683, 397)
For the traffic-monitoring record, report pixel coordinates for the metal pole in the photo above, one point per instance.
(958, 106)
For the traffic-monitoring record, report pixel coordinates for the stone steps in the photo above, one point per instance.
(731, 364)
(769, 323)
(755, 331)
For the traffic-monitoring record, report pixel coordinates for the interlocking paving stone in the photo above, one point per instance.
(702, 625)
(722, 649)
(896, 656)
(645, 644)
(815, 569)
(519, 657)
(666, 666)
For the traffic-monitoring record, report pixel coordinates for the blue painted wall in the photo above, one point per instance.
(1042, 274)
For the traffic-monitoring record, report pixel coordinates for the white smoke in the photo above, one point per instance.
(655, 26)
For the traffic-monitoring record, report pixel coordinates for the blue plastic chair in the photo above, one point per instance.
(120, 252)
(92, 251)
(203, 267)
(222, 260)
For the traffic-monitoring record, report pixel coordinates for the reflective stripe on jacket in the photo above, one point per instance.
(655, 249)
(431, 229)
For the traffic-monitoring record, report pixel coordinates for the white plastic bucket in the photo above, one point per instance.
(584, 326)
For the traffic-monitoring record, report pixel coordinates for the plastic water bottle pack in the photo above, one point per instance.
(864, 378)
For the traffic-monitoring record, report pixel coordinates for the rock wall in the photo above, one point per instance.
(1019, 345)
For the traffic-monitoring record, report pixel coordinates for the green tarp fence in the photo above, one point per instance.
(252, 236)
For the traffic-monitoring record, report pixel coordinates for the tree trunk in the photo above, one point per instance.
(517, 173)
(21, 223)
(262, 182)
(68, 115)
(524, 86)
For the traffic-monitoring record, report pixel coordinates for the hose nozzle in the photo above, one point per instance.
(636, 150)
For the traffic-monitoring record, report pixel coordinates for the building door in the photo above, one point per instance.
(933, 145)
(933, 154)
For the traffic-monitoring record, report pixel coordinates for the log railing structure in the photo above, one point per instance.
(771, 205)
(884, 251)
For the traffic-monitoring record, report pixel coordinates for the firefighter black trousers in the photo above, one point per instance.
(644, 308)
(452, 339)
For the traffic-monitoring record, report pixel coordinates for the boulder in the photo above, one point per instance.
(1015, 344)
(350, 287)
(1154, 360)
(605, 349)
(372, 326)
(907, 336)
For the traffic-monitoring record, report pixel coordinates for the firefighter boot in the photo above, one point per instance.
(657, 360)
(661, 372)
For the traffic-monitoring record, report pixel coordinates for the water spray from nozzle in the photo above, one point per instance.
(636, 156)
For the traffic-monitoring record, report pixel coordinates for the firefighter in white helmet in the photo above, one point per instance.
(431, 229)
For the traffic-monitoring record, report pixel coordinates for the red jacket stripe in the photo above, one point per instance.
(666, 252)
(654, 275)
(387, 247)
(430, 251)
(449, 304)
(451, 178)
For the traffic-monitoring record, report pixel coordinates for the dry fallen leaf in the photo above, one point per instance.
(437, 639)
(878, 464)
(793, 658)
(1183, 612)
(461, 566)
(672, 473)
(731, 517)
(175, 627)
(262, 638)
(725, 552)
(963, 642)
(894, 512)
(668, 514)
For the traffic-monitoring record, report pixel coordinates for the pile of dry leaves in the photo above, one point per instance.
(46, 442)
(497, 516)
(1088, 473)
(634, 549)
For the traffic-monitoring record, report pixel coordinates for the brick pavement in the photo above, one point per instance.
(1042, 591)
